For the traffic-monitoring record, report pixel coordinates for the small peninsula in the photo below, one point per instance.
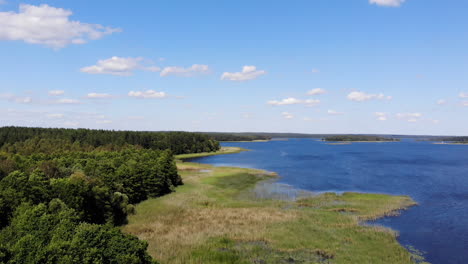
(216, 218)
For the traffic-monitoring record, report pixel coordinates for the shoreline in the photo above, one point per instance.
(247, 141)
(350, 142)
(449, 143)
(221, 151)
(278, 225)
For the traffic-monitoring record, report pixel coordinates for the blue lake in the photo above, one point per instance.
(436, 176)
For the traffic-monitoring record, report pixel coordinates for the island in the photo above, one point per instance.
(358, 138)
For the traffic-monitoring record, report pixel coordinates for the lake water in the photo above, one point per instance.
(436, 176)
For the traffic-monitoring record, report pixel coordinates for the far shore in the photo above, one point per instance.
(449, 143)
(350, 142)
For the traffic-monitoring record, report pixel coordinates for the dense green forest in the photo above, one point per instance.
(235, 136)
(12, 138)
(63, 192)
(358, 138)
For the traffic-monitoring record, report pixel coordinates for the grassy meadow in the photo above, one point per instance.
(214, 218)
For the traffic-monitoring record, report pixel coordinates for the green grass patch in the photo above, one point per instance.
(214, 218)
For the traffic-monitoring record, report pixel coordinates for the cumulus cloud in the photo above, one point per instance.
(185, 72)
(120, 66)
(286, 101)
(56, 92)
(67, 101)
(362, 96)
(49, 26)
(410, 117)
(98, 96)
(333, 112)
(463, 95)
(247, 73)
(441, 102)
(391, 3)
(381, 116)
(147, 94)
(316, 91)
(287, 115)
(293, 101)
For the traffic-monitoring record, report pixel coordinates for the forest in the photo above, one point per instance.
(235, 136)
(64, 192)
(463, 140)
(12, 138)
(358, 138)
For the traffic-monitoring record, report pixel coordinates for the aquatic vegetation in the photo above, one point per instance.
(214, 218)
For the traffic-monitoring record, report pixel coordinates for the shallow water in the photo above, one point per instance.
(436, 176)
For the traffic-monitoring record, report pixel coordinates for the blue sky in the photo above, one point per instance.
(322, 66)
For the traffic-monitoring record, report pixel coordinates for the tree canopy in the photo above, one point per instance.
(64, 191)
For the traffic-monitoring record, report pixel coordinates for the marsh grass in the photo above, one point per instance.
(213, 218)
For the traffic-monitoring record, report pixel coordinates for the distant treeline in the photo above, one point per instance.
(22, 139)
(235, 136)
(455, 139)
(64, 191)
(358, 138)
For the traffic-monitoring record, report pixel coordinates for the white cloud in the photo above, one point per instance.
(49, 26)
(98, 96)
(362, 96)
(120, 66)
(410, 117)
(315, 71)
(463, 95)
(185, 72)
(286, 101)
(317, 91)
(381, 116)
(67, 101)
(3, 2)
(287, 115)
(56, 92)
(293, 101)
(465, 103)
(147, 94)
(248, 73)
(55, 115)
(333, 112)
(441, 102)
(311, 102)
(392, 3)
